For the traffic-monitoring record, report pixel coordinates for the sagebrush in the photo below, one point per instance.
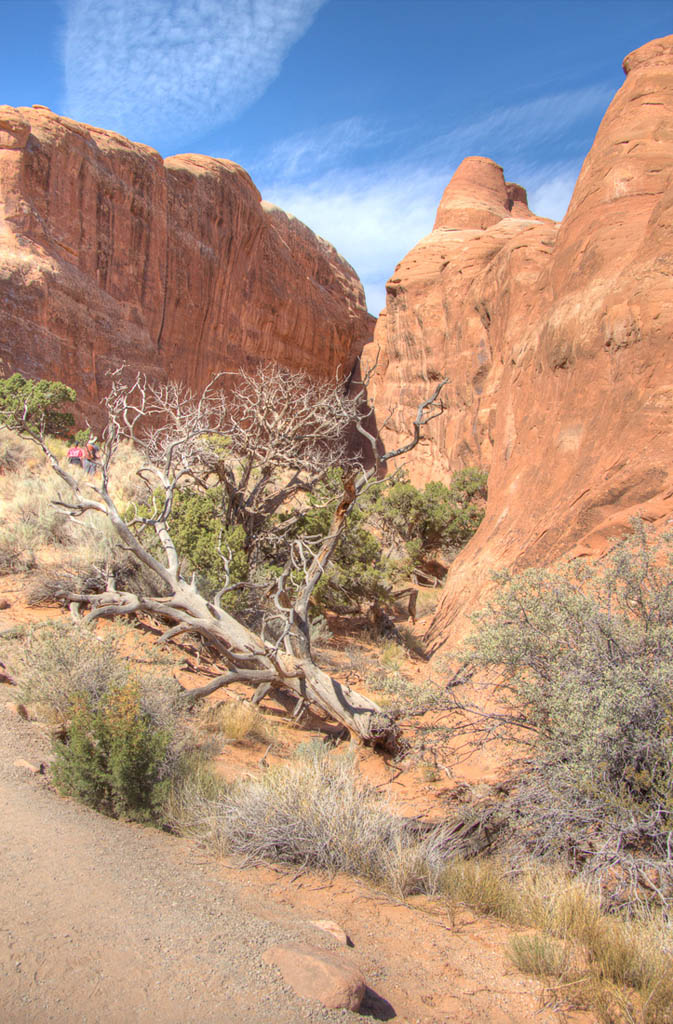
(585, 701)
(121, 712)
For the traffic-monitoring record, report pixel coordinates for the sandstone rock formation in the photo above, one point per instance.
(557, 343)
(109, 254)
(451, 305)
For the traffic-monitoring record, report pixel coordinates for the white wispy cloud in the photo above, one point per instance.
(167, 69)
(374, 211)
(373, 217)
(307, 153)
(519, 127)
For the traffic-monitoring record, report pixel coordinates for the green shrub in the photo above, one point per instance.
(115, 758)
(35, 406)
(438, 516)
(125, 733)
(358, 571)
(587, 651)
(201, 539)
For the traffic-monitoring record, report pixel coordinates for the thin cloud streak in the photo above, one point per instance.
(527, 124)
(307, 153)
(165, 71)
(374, 214)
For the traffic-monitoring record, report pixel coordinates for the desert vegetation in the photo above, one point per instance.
(584, 706)
(267, 443)
(119, 721)
(239, 529)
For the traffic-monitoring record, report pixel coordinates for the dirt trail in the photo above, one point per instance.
(103, 921)
(106, 921)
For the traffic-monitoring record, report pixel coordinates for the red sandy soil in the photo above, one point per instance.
(106, 921)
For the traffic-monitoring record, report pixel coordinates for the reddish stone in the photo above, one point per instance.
(320, 975)
(557, 344)
(109, 254)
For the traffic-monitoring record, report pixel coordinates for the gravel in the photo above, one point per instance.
(109, 921)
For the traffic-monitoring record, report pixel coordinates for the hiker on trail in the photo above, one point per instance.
(75, 455)
(90, 459)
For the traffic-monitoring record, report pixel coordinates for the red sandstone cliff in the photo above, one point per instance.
(110, 254)
(558, 342)
(450, 306)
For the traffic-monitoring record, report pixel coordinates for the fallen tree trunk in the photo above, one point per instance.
(249, 659)
(285, 429)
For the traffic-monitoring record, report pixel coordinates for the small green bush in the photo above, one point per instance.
(115, 758)
(125, 730)
(201, 539)
(438, 517)
(357, 572)
(35, 406)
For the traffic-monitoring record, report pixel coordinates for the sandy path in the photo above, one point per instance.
(105, 921)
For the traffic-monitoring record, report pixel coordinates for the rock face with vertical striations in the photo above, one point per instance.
(109, 254)
(557, 341)
(451, 305)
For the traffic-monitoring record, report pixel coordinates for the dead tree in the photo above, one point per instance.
(270, 438)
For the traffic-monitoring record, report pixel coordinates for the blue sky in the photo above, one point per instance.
(351, 114)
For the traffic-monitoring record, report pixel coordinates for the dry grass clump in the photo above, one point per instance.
(55, 663)
(31, 522)
(90, 569)
(316, 812)
(16, 453)
(126, 486)
(541, 956)
(484, 885)
(191, 807)
(622, 969)
(409, 698)
(238, 721)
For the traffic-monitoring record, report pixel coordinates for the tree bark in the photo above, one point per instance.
(249, 660)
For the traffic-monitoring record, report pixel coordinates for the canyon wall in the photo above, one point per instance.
(557, 341)
(110, 255)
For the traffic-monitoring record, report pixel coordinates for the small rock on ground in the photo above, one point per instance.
(333, 929)
(319, 974)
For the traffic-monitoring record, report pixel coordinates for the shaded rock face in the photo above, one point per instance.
(557, 340)
(109, 254)
(452, 305)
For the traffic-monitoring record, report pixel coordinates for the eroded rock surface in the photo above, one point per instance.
(451, 307)
(109, 254)
(319, 974)
(557, 343)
